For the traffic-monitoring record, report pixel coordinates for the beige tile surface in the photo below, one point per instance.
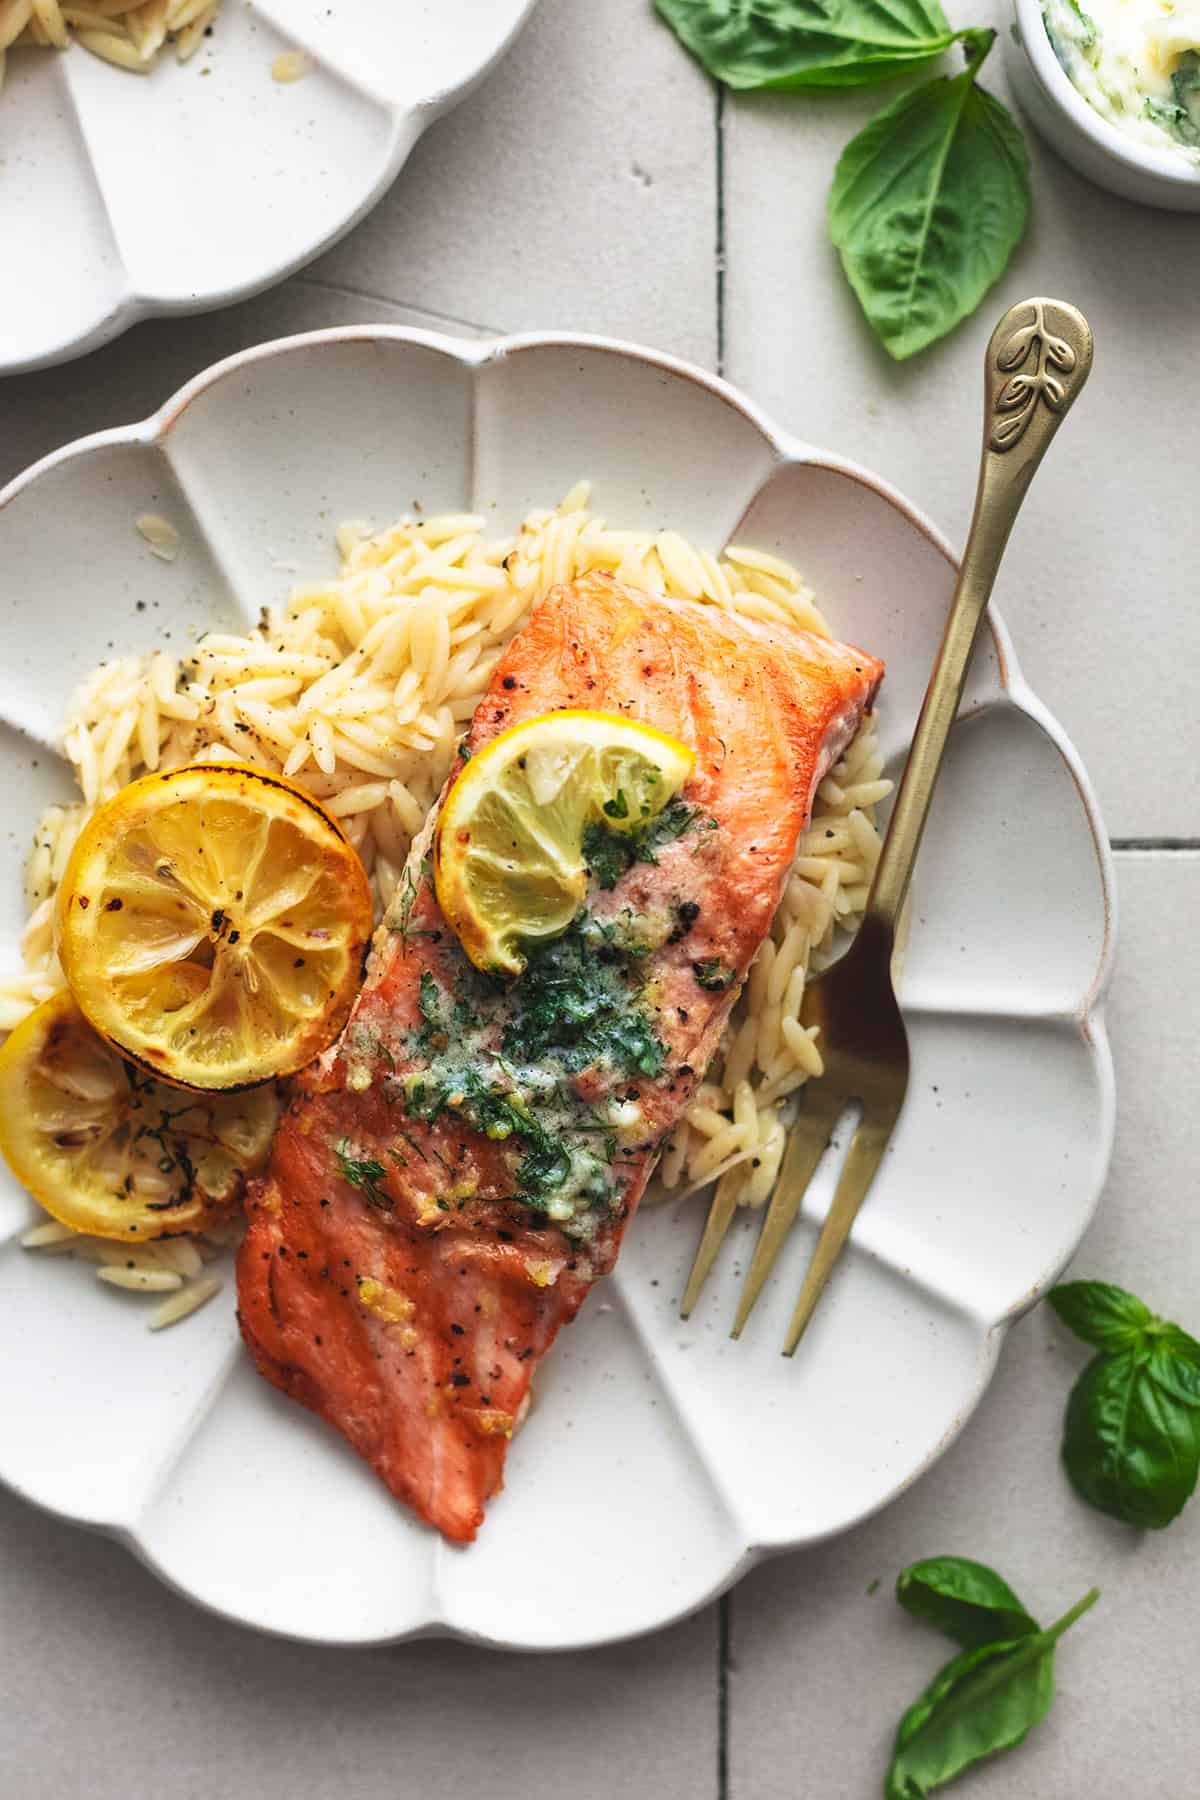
(578, 189)
(822, 1668)
(115, 1689)
(1099, 574)
(575, 191)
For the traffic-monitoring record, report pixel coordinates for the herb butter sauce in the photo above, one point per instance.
(1137, 62)
(552, 1065)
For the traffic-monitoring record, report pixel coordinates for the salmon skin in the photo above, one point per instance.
(452, 1178)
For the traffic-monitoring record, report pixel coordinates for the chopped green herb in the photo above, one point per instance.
(618, 806)
(500, 1113)
(1181, 114)
(711, 975)
(442, 1021)
(1080, 32)
(409, 884)
(1087, 25)
(362, 1173)
(413, 1146)
(608, 854)
(464, 1017)
(369, 1043)
(577, 1006)
(429, 997)
(545, 1169)
(463, 1091)
(1185, 79)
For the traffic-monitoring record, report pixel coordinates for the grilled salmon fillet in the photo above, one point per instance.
(452, 1178)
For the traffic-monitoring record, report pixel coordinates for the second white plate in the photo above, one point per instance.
(127, 196)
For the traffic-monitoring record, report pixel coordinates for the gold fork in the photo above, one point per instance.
(1038, 359)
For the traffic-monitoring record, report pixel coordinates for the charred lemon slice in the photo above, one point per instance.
(212, 923)
(109, 1150)
(511, 843)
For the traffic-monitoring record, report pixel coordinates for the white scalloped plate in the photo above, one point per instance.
(661, 1459)
(197, 185)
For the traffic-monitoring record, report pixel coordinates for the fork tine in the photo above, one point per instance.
(808, 1141)
(720, 1217)
(862, 1163)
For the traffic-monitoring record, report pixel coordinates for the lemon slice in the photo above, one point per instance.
(212, 923)
(109, 1150)
(508, 849)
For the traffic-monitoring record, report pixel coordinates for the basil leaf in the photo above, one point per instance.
(1178, 1341)
(1131, 1439)
(984, 1701)
(808, 43)
(1130, 1447)
(965, 1599)
(1178, 1374)
(928, 203)
(1101, 1314)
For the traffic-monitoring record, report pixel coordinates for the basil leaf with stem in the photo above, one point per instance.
(965, 1599)
(1131, 1447)
(1101, 1314)
(808, 43)
(984, 1701)
(1131, 1438)
(928, 203)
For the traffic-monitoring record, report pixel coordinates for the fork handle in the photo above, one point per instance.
(1038, 359)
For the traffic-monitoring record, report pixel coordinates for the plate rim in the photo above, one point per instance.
(1088, 1017)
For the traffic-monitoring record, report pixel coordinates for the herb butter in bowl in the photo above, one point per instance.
(1114, 85)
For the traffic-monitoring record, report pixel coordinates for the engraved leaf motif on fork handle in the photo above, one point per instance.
(1030, 357)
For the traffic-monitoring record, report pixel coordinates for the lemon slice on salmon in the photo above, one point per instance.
(509, 862)
(212, 923)
(108, 1150)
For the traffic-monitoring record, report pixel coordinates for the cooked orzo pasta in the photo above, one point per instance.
(359, 689)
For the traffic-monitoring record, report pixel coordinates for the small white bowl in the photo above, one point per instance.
(1081, 135)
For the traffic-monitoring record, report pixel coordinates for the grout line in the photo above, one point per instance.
(719, 120)
(1151, 843)
(724, 1620)
(357, 293)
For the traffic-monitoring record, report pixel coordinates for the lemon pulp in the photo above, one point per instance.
(212, 923)
(107, 1149)
(509, 864)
